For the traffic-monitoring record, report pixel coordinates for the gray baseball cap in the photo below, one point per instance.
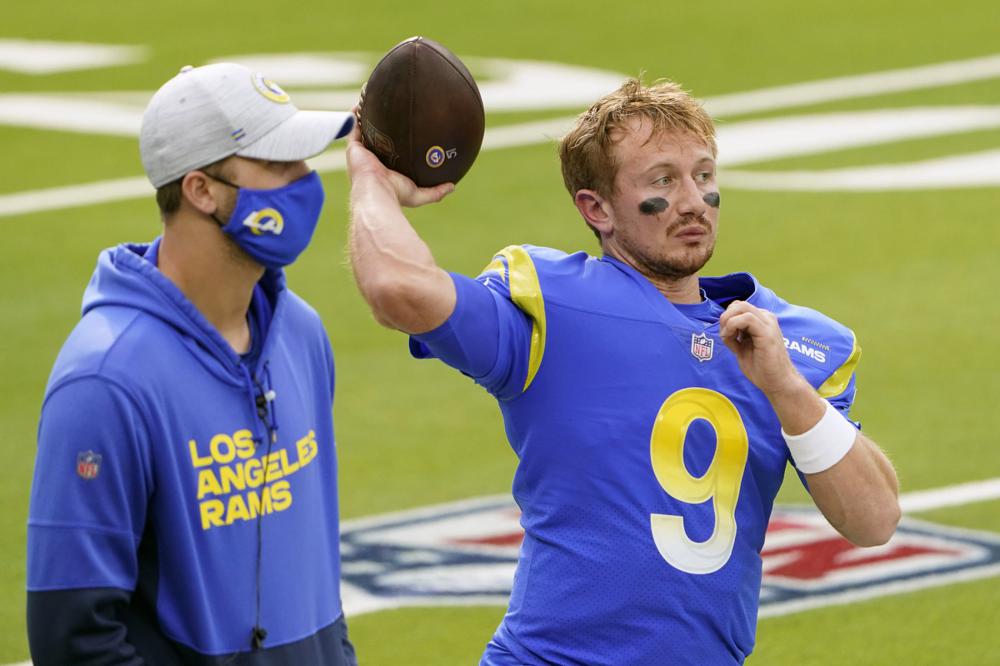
(205, 114)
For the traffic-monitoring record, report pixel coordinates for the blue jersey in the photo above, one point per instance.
(648, 463)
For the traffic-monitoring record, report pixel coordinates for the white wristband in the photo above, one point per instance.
(822, 446)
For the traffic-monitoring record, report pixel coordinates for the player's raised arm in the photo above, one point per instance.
(850, 479)
(394, 268)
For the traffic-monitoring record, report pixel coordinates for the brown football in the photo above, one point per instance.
(422, 114)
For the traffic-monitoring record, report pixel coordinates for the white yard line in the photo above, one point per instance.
(779, 97)
(853, 87)
(57, 198)
(957, 495)
(41, 57)
(969, 170)
(109, 191)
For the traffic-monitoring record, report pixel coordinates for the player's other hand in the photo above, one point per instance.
(363, 167)
(754, 336)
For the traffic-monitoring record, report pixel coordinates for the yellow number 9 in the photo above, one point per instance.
(720, 482)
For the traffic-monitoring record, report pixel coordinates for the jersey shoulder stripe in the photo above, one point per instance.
(825, 351)
(837, 382)
(516, 269)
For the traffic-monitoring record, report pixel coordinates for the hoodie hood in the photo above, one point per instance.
(127, 276)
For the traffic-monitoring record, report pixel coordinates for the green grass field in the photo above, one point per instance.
(908, 270)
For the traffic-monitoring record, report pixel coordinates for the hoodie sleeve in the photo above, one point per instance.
(87, 513)
(79, 627)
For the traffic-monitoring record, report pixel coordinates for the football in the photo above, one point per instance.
(421, 113)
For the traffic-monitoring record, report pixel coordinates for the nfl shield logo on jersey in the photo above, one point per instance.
(88, 464)
(701, 347)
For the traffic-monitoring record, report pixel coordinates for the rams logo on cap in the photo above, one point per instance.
(268, 220)
(270, 89)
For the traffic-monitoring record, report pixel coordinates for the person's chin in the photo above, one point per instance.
(695, 258)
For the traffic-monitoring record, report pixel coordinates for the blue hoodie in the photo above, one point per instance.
(196, 486)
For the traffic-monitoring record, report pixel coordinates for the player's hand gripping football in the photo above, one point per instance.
(362, 163)
(754, 336)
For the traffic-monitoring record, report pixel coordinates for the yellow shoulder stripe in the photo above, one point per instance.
(526, 292)
(838, 381)
(495, 266)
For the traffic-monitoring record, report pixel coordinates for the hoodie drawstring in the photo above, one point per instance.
(263, 403)
(269, 397)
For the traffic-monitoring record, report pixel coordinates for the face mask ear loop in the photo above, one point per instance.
(228, 184)
(221, 180)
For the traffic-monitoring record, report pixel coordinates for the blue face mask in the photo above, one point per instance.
(274, 226)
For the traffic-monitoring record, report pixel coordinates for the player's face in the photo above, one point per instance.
(674, 166)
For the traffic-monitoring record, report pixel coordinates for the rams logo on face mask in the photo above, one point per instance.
(270, 89)
(268, 220)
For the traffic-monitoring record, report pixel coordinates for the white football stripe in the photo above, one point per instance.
(108, 191)
(956, 171)
(56, 198)
(70, 113)
(740, 143)
(512, 85)
(852, 87)
(743, 141)
(790, 136)
(40, 57)
(948, 496)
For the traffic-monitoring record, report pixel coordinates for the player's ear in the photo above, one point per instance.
(194, 187)
(595, 210)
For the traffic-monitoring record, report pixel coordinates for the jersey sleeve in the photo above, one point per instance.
(493, 334)
(823, 350)
(90, 489)
(841, 386)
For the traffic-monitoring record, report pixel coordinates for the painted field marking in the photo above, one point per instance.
(853, 87)
(744, 142)
(865, 128)
(800, 135)
(357, 601)
(70, 113)
(465, 552)
(58, 198)
(26, 56)
(955, 171)
(122, 189)
(948, 496)
(505, 85)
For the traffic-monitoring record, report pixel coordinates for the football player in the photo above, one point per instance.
(653, 411)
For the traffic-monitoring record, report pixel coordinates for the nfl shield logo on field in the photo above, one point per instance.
(701, 347)
(466, 553)
(88, 464)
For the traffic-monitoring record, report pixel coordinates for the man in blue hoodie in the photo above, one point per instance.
(184, 503)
